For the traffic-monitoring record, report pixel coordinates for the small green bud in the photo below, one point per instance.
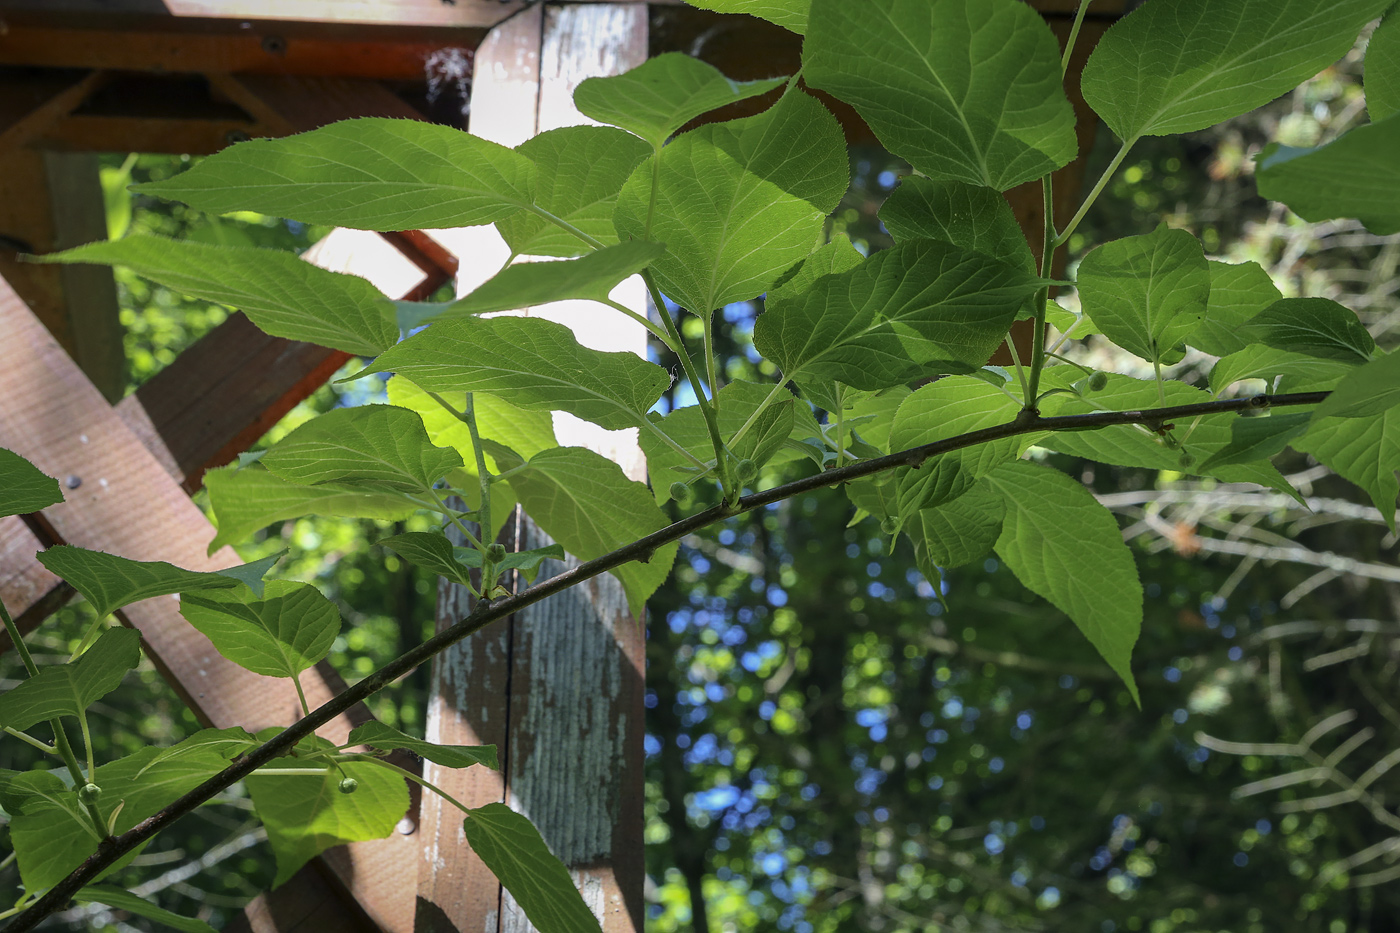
(495, 553)
(1097, 381)
(890, 526)
(88, 794)
(349, 785)
(746, 470)
(680, 491)
(1186, 460)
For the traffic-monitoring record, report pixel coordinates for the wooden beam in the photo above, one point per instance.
(458, 14)
(576, 770)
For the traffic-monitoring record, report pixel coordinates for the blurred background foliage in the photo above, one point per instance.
(836, 743)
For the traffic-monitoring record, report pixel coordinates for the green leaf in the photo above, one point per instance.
(1237, 293)
(24, 488)
(451, 756)
(773, 178)
(1364, 450)
(51, 832)
(921, 308)
(1367, 391)
(525, 284)
(531, 363)
(513, 849)
(1313, 326)
(370, 174)
(525, 432)
(1133, 446)
(966, 90)
(1067, 548)
(124, 900)
(946, 408)
(583, 501)
(250, 499)
(1383, 69)
(1076, 324)
(957, 532)
(227, 744)
(1147, 293)
(971, 216)
(871, 416)
(663, 94)
(1357, 176)
(109, 582)
(282, 294)
(580, 170)
(68, 689)
(1185, 65)
(431, 551)
(1260, 362)
(280, 635)
(307, 814)
(764, 442)
(1258, 438)
(380, 448)
(838, 255)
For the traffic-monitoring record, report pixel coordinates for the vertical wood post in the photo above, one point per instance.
(559, 687)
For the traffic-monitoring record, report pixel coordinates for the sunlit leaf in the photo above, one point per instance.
(371, 174)
(1383, 69)
(966, 90)
(1367, 391)
(1357, 176)
(663, 94)
(280, 635)
(532, 363)
(1185, 65)
(1237, 293)
(584, 501)
(1305, 373)
(247, 500)
(1258, 438)
(1147, 293)
(380, 448)
(307, 814)
(24, 488)
(957, 532)
(279, 292)
(513, 849)
(122, 899)
(921, 308)
(971, 216)
(452, 756)
(1364, 450)
(947, 408)
(1314, 326)
(109, 582)
(580, 171)
(68, 689)
(525, 284)
(773, 178)
(1066, 547)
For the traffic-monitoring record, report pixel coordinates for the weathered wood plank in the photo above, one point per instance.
(573, 746)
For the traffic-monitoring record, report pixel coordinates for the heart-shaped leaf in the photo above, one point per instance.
(109, 582)
(451, 756)
(280, 635)
(68, 689)
(24, 488)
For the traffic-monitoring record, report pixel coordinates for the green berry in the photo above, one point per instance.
(1185, 460)
(746, 470)
(680, 491)
(495, 553)
(890, 526)
(89, 794)
(349, 785)
(1097, 381)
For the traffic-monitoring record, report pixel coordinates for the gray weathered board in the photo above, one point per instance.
(559, 687)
